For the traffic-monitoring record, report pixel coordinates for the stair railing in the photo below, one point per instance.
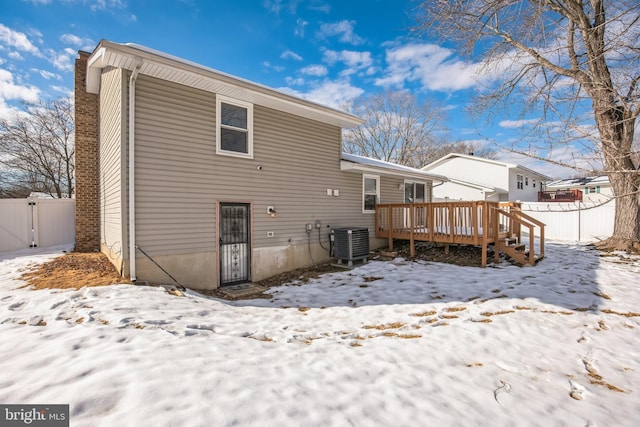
(520, 218)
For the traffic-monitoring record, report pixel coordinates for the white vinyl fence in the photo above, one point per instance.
(577, 221)
(42, 223)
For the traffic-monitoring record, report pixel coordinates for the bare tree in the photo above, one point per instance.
(397, 129)
(37, 148)
(474, 148)
(575, 61)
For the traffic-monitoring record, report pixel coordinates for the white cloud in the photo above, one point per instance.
(269, 65)
(343, 29)
(295, 82)
(17, 40)
(433, 66)
(107, 4)
(301, 25)
(10, 90)
(48, 75)
(348, 57)
(77, 42)
(288, 54)
(15, 55)
(62, 61)
(321, 7)
(63, 90)
(515, 124)
(273, 6)
(314, 70)
(331, 93)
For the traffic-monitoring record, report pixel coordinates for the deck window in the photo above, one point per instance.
(414, 192)
(370, 193)
(234, 131)
(520, 182)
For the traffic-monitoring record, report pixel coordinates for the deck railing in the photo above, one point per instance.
(477, 223)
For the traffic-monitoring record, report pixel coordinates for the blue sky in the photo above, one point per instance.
(326, 51)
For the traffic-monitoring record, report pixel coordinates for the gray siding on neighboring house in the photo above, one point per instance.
(113, 110)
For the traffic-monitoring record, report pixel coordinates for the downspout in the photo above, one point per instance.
(132, 175)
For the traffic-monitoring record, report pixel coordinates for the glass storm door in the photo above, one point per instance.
(234, 243)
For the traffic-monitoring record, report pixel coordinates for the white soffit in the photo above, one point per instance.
(350, 166)
(186, 73)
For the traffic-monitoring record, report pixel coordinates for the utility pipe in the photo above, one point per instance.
(132, 176)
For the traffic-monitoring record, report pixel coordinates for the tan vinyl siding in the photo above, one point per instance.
(175, 185)
(112, 176)
(180, 179)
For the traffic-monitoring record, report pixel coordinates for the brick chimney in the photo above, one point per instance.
(86, 160)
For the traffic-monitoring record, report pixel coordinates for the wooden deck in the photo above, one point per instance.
(478, 223)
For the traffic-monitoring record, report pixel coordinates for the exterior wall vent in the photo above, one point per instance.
(351, 243)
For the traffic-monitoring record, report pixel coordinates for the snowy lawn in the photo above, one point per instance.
(388, 344)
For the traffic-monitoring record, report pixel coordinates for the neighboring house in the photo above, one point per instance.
(218, 179)
(476, 178)
(593, 189)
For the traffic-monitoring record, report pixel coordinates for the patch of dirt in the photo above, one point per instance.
(301, 275)
(74, 271)
(464, 255)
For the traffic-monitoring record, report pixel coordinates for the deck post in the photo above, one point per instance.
(390, 207)
(451, 222)
(412, 243)
(430, 220)
(485, 229)
(532, 255)
(474, 220)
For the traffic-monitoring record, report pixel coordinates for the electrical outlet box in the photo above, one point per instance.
(336, 193)
(270, 234)
(329, 192)
(308, 227)
(317, 223)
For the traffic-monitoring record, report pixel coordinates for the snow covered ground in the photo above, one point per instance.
(388, 344)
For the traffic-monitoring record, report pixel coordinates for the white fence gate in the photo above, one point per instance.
(577, 221)
(42, 223)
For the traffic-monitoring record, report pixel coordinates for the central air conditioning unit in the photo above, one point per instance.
(351, 243)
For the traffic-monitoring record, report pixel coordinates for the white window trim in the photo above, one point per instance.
(219, 100)
(519, 180)
(364, 178)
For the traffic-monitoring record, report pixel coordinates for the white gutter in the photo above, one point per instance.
(132, 176)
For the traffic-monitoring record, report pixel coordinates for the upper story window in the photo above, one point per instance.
(533, 182)
(370, 193)
(520, 181)
(526, 181)
(234, 127)
(592, 190)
